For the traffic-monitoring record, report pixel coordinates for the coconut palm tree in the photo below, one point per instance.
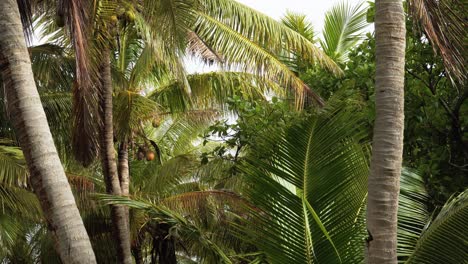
(387, 143)
(27, 115)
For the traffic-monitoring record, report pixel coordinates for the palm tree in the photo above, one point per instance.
(47, 175)
(387, 143)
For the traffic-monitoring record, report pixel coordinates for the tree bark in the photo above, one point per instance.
(387, 145)
(109, 166)
(124, 174)
(48, 178)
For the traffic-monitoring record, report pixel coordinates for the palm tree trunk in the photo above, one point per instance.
(387, 145)
(29, 120)
(124, 175)
(109, 166)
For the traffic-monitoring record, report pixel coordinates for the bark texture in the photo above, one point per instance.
(47, 175)
(124, 174)
(109, 165)
(387, 145)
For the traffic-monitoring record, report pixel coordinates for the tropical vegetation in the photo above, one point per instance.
(347, 146)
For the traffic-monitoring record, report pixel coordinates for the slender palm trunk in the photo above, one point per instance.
(387, 145)
(109, 166)
(47, 175)
(124, 174)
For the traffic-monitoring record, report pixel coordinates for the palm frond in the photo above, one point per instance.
(177, 135)
(343, 27)
(413, 214)
(235, 48)
(159, 180)
(198, 47)
(444, 240)
(298, 22)
(312, 191)
(13, 170)
(130, 110)
(445, 26)
(53, 69)
(180, 225)
(212, 90)
(265, 31)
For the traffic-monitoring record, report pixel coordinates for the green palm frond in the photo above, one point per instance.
(312, 192)
(235, 48)
(131, 110)
(212, 90)
(264, 31)
(53, 69)
(20, 201)
(180, 225)
(177, 135)
(159, 180)
(413, 214)
(444, 240)
(13, 170)
(58, 109)
(298, 22)
(343, 26)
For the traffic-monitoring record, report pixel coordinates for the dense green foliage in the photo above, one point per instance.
(232, 166)
(436, 133)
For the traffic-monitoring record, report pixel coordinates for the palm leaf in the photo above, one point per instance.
(444, 240)
(312, 191)
(235, 48)
(264, 31)
(212, 90)
(13, 170)
(298, 22)
(413, 214)
(445, 26)
(130, 110)
(343, 27)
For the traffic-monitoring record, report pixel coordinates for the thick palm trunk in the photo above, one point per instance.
(47, 175)
(109, 166)
(387, 145)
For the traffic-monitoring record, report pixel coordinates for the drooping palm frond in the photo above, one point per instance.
(53, 69)
(445, 25)
(58, 109)
(444, 240)
(343, 25)
(198, 47)
(412, 212)
(236, 47)
(130, 110)
(166, 55)
(312, 192)
(211, 90)
(176, 135)
(180, 226)
(298, 22)
(264, 31)
(13, 170)
(159, 180)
